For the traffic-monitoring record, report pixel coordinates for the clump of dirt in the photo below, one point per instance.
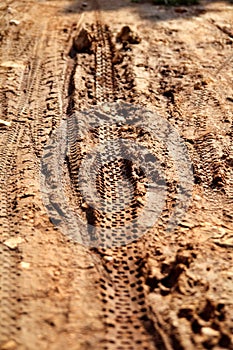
(127, 35)
(83, 41)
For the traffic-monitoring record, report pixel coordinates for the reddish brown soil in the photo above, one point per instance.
(166, 290)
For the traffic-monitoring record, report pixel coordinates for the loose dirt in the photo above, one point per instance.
(163, 289)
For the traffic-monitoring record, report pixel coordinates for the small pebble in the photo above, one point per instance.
(13, 242)
(24, 265)
(9, 345)
(10, 10)
(209, 332)
(4, 122)
(15, 22)
(108, 258)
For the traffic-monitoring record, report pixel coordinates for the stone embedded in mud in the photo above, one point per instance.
(83, 41)
(127, 35)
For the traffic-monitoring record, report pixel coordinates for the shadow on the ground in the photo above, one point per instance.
(151, 11)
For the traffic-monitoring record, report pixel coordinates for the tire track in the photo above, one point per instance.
(126, 314)
(48, 79)
(21, 71)
(9, 256)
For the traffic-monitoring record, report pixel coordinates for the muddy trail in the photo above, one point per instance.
(116, 171)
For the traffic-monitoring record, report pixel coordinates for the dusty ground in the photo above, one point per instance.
(166, 290)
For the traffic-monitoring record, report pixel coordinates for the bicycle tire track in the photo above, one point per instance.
(121, 288)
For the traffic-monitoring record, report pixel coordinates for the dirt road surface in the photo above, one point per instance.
(164, 289)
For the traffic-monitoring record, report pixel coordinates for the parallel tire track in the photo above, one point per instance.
(121, 290)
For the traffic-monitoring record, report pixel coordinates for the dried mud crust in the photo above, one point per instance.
(166, 290)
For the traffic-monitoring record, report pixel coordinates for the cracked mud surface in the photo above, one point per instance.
(164, 289)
